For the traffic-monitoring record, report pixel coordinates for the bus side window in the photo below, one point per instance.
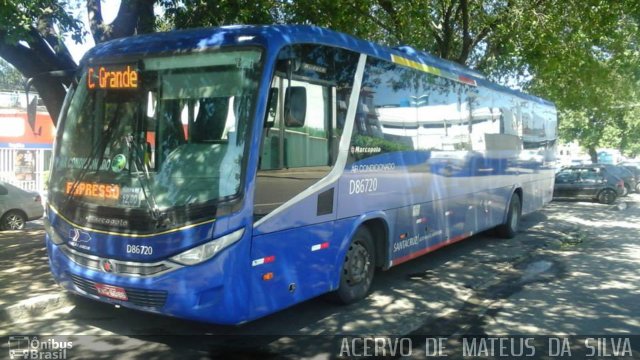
(385, 119)
(298, 151)
(306, 136)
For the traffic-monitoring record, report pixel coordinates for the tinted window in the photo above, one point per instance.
(298, 152)
(566, 176)
(590, 175)
(323, 76)
(386, 115)
(443, 113)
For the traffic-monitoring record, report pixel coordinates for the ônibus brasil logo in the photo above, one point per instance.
(25, 347)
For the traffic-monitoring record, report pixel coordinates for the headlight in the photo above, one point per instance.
(206, 251)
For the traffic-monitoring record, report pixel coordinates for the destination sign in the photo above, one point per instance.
(94, 190)
(103, 77)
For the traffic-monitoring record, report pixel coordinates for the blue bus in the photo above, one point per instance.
(223, 174)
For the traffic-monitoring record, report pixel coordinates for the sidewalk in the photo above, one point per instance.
(598, 283)
(26, 284)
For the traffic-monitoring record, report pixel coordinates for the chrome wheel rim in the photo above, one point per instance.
(14, 222)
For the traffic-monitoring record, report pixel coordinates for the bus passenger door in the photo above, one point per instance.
(292, 251)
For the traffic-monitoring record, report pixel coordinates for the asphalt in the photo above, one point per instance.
(572, 269)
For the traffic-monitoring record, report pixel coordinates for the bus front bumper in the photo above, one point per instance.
(191, 292)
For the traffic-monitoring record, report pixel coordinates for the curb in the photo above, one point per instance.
(35, 307)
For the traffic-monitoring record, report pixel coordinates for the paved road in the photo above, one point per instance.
(573, 269)
(24, 268)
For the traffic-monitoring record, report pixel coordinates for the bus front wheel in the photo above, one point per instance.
(358, 268)
(509, 229)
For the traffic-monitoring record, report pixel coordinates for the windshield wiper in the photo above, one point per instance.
(101, 145)
(159, 217)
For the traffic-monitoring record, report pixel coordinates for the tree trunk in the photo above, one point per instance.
(593, 154)
(52, 93)
(35, 62)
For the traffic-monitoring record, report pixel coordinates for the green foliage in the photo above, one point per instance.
(19, 19)
(375, 142)
(10, 78)
(583, 55)
(195, 13)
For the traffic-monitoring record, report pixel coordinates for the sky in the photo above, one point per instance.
(109, 11)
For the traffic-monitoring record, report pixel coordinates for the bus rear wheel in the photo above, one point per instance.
(509, 229)
(358, 269)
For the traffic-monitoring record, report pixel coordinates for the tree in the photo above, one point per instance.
(31, 38)
(592, 74)
(10, 78)
(194, 13)
(30, 43)
(581, 54)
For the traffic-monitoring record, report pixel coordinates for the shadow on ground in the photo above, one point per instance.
(573, 269)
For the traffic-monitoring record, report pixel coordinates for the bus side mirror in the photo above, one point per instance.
(32, 106)
(295, 106)
(32, 109)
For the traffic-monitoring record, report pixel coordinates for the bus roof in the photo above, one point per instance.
(273, 37)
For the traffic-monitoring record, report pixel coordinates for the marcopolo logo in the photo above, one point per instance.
(25, 347)
(77, 235)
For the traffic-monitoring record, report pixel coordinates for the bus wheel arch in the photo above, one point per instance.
(380, 232)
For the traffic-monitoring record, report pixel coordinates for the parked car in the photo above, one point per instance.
(636, 171)
(631, 163)
(588, 181)
(630, 181)
(18, 206)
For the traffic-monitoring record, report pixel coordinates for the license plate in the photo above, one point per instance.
(114, 292)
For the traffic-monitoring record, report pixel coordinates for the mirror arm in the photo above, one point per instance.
(32, 109)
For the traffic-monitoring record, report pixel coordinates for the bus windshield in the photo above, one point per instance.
(158, 132)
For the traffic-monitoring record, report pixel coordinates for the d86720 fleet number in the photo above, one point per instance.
(139, 249)
(361, 186)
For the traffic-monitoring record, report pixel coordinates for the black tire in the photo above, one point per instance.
(607, 196)
(638, 188)
(509, 229)
(357, 270)
(13, 220)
